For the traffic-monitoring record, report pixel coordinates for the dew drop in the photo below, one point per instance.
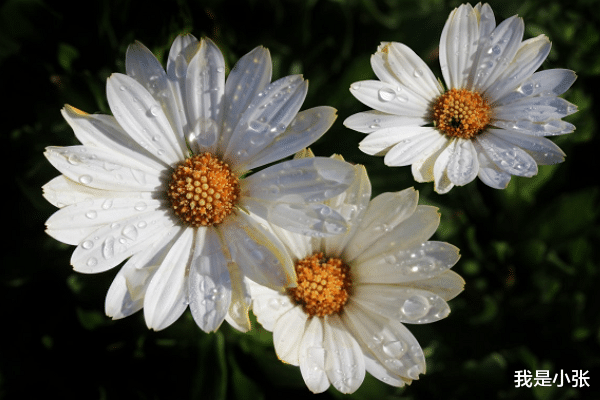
(91, 214)
(108, 248)
(395, 349)
(155, 110)
(130, 232)
(88, 244)
(85, 179)
(107, 204)
(418, 73)
(415, 307)
(92, 262)
(386, 94)
(140, 206)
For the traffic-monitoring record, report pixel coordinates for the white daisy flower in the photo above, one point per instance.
(162, 183)
(356, 291)
(489, 123)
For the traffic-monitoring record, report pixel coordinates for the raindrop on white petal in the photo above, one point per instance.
(130, 232)
(107, 204)
(395, 349)
(415, 307)
(108, 247)
(140, 206)
(85, 179)
(386, 94)
(91, 214)
(92, 262)
(418, 73)
(155, 110)
(88, 244)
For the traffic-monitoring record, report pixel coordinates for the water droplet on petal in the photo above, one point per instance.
(386, 94)
(155, 110)
(88, 244)
(85, 179)
(395, 349)
(91, 214)
(140, 206)
(415, 307)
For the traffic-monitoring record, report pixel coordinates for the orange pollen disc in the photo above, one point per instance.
(203, 190)
(323, 285)
(461, 113)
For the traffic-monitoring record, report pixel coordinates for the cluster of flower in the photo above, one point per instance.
(164, 185)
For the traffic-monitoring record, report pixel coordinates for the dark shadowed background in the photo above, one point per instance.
(530, 253)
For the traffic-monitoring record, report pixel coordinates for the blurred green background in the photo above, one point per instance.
(529, 253)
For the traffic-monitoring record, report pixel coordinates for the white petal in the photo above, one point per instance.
(182, 50)
(204, 89)
(288, 333)
(550, 82)
(422, 261)
(265, 119)
(496, 52)
(111, 244)
(415, 148)
(72, 224)
(250, 75)
(408, 234)
(181, 53)
(375, 368)
(463, 166)
(490, 173)
(237, 315)
(441, 182)
(384, 213)
(530, 56)
(390, 98)
(507, 156)
(536, 109)
(268, 305)
(167, 294)
(344, 360)
(308, 180)
(126, 294)
(382, 140)
(405, 67)
(308, 126)
(103, 131)
(548, 128)
(447, 285)
(542, 150)
(371, 121)
(458, 44)
(312, 357)
(258, 253)
(61, 192)
(143, 66)
(399, 303)
(422, 169)
(209, 282)
(144, 119)
(352, 205)
(102, 169)
(389, 341)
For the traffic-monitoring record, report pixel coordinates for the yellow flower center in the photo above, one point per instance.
(203, 190)
(323, 285)
(461, 113)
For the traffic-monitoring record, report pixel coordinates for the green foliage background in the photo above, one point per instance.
(529, 253)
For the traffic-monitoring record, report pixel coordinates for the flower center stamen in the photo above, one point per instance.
(323, 285)
(461, 113)
(203, 190)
